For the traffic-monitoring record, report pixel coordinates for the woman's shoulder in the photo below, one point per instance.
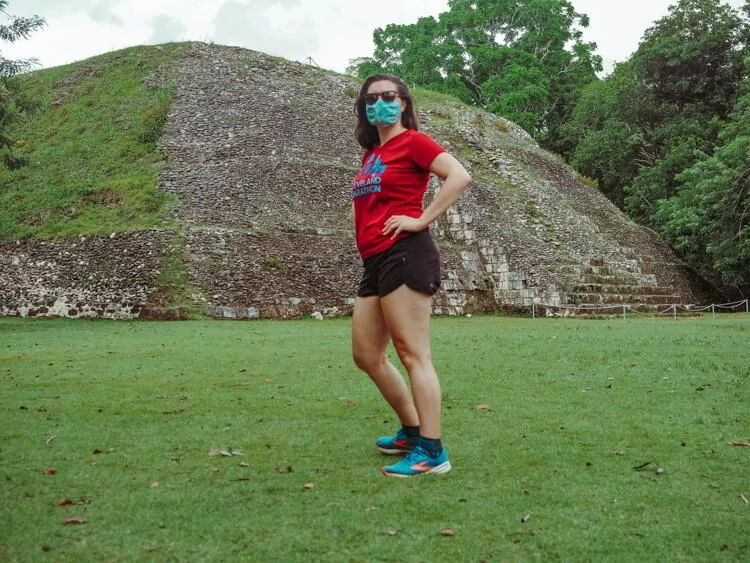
(415, 134)
(424, 141)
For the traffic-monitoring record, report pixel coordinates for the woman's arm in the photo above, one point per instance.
(455, 181)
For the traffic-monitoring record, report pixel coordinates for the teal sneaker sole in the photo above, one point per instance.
(437, 470)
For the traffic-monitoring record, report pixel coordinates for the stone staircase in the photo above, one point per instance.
(601, 284)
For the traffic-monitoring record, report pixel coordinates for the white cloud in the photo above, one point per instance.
(277, 28)
(166, 29)
(331, 32)
(101, 12)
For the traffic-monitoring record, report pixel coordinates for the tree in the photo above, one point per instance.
(523, 59)
(693, 57)
(708, 221)
(13, 104)
(667, 136)
(609, 131)
(660, 112)
(691, 63)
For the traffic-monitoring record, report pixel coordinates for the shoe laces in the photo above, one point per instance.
(415, 454)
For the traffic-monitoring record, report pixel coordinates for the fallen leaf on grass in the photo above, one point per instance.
(309, 486)
(154, 485)
(744, 498)
(526, 518)
(391, 533)
(224, 453)
(66, 501)
(287, 469)
(244, 464)
(482, 407)
(447, 532)
(746, 443)
(50, 471)
(69, 521)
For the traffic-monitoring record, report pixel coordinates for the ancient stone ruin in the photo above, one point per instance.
(262, 173)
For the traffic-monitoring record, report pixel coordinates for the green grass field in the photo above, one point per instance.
(570, 440)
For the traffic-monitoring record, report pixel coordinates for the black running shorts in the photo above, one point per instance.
(414, 260)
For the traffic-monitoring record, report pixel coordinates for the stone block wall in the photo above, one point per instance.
(91, 277)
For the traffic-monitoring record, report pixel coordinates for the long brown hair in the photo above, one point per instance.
(366, 134)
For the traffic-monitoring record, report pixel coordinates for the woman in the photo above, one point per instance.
(401, 266)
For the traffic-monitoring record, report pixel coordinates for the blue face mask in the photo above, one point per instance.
(381, 114)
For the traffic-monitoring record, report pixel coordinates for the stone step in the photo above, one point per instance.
(596, 270)
(618, 289)
(609, 279)
(616, 298)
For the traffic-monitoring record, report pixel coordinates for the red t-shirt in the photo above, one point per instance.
(392, 181)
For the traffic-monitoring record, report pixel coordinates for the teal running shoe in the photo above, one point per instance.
(399, 444)
(419, 462)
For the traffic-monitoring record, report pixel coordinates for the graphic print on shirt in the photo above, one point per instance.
(368, 180)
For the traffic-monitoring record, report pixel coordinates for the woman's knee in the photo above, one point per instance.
(367, 360)
(412, 357)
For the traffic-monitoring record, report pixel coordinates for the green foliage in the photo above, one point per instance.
(92, 160)
(591, 183)
(555, 430)
(14, 28)
(524, 60)
(693, 57)
(154, 118)
(708, 221)
(14, 104)
(648, 131)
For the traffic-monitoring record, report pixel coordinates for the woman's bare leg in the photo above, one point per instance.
(407, 317)
(370, 337)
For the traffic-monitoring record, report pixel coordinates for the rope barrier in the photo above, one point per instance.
(673, 309)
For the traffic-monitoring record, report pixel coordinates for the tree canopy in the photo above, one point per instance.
(524, 59)
(663, 135)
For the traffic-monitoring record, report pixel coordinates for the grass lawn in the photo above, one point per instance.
(570, 441)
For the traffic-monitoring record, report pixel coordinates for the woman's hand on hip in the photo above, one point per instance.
(397, 224)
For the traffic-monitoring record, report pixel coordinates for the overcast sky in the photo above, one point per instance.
(330, 32)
